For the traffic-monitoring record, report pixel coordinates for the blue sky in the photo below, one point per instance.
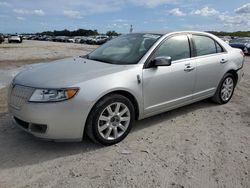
(144, 15)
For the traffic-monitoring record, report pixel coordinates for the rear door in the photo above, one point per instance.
(166, 87)
(211, 58)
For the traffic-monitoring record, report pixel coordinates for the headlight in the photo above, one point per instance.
(52, 95)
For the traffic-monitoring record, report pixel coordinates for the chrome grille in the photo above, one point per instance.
(19, 95)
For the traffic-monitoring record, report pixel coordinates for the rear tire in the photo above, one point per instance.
(110, 120)
(225, 89)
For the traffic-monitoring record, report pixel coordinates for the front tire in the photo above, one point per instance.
(110, 120)
(225, 90)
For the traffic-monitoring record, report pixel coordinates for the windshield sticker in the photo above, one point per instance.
(151, 36)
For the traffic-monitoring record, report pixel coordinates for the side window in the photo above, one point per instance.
(219, 48)
(204, 45)
(176, 47)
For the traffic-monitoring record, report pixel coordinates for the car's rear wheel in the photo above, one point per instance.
(110, 120)
(225, 90)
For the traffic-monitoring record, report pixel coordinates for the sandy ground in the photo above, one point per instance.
(16, 55)
(200, 145)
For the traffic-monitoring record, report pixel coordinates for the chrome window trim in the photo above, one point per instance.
(145, 60)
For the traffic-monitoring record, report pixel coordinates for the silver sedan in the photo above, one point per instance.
(129, 78)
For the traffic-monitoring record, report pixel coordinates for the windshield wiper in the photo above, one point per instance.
(95, 59)
(101, 60)
(84, 56)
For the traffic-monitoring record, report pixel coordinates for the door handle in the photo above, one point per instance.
(223, 61)
(189, 68)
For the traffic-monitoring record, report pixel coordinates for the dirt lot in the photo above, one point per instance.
(200, 145)
(16, 55)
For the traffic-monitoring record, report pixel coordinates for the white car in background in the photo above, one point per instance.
(15, 38)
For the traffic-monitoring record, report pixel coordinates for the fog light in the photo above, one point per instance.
(38, 128)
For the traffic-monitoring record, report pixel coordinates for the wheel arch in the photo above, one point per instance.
(131, 97)
(234, 73)
(124, 93)
(231, 71)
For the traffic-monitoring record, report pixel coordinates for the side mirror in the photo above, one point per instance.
(161, 61)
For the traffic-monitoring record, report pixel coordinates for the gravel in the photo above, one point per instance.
(200, 145)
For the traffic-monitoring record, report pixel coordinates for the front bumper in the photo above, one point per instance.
(14, 40)
(61, 121)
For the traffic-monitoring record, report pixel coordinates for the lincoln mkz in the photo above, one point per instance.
(129, 78)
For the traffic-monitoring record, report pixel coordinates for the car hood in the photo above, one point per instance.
(65, 73)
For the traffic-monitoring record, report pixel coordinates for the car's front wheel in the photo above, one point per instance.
(110, 120)
(225, 90)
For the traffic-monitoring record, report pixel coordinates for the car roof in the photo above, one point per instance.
(164, 32)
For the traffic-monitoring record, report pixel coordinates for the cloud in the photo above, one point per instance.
(115, 26)
(37, 12)
(89, 7)
(245, 9)
(5, 4)
(206, 11)
(176, 12)
(152, 3)
(72, 14)
(115, 14)
(235, 23)
(234, 20)
(118, 24)
(120, 20)
(20, 18)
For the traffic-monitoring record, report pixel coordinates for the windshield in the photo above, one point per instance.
(126, 49)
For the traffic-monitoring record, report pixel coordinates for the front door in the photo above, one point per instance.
(166, 87)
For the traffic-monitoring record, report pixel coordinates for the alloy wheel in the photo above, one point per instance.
(227, 89)
(114, 121)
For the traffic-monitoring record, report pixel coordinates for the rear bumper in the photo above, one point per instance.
(240, 74)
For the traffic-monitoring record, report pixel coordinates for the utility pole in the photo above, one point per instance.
(131, 29)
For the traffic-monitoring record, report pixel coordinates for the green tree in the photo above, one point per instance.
(112, 33)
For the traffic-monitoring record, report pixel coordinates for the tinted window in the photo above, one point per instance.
(176, 47)
(204, 45)
(219, 48)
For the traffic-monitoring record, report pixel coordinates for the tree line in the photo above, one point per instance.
(232, 34)
(89, 32)
(79, 32)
